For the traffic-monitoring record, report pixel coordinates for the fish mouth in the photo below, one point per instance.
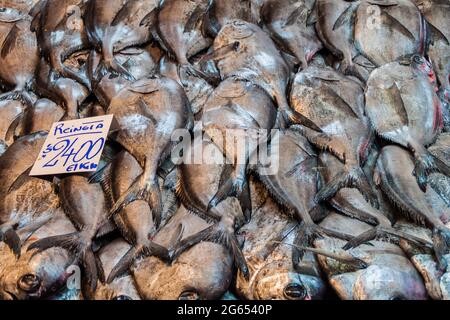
(12, 295)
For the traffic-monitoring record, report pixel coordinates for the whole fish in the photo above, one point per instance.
(134, 221)
(138, 63)
(388, 274)
(396, 180)
(203, 272)
(351, 202)
(15, 164)
(66, 92)
(287, 21)
(439, 182)
(336, 104)
(400, 115)
(61, 32)
(116, 25)
(240, 111)
(267, 248)
(295, 185)
(222, 11)
(148, 113)
(19, 55)
(120, 289)
(180, 33)
(243, 50)
(85, 206)
(338, 41)
(36, 275)
(398, 25)
(199, 176)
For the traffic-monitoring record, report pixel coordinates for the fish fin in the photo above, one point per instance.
(220, 234)
(150, 18)
(69, 242)
(318, 212)
(398, 25)
(106, 228)
(347, 106)
(220, 53)
(20, 180)
(294, 117)
(25, 232)
(20, 95)
(441, 244)
(176, 237)
(103, 177)
(437, 34)
(10, 41)
(313, 16)
(142, 190)
(325, 142)
(195, 17)
(306, 234)
(146, 111)
(123, 13)
(394, 95)
(347, 16)
(135, 253)
(90, 268)
(352, 70)
(35, 23)
(309, 162)
(193, 71)
(236, 108)
(116, 68)
(11, 132)
(10, 237)
(245, 201)
(425, 163)
(100, 270)
(231, 185)
(384, 233)
(293, 17)
(353, 177)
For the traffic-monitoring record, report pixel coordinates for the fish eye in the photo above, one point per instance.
(397, 298)
(295, 291)
(189, 295)
(122, 298)
(29, 283)
(417, 59)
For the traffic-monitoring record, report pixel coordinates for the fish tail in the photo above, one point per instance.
(221, 233)
(293, 117)
(19, 94)
(441, 244)
(347, 178)
(426, 163)
(110, 62)
(142, 189)
(66, 72)
(134, 253)
(352, 70)
(189, 69)
(235, 185)
(76, 244)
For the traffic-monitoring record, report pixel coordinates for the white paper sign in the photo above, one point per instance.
(73, 146)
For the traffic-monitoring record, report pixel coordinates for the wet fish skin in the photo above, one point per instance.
(203, 272)
(237, 110)
(41, 117)
(123, 288)
(397, 182)
(336, 104)
(85, 206)
(389, 275)
(440, 182)
(11, 111)
(287, 22)
(178, 30)
(394, 109)
(19, 57)
(399, 25)
(155, 108)
(36, 275)
(273, 274)
(61, 32)
(243, 50)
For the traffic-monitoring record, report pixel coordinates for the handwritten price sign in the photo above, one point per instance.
(73, 146)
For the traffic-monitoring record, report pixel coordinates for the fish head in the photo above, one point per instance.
(277, 280)
(235, 30)
(31, 276)
(421, 64)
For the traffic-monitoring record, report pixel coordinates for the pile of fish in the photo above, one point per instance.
(354, 97)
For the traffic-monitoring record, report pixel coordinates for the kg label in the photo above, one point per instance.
(73, 146)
